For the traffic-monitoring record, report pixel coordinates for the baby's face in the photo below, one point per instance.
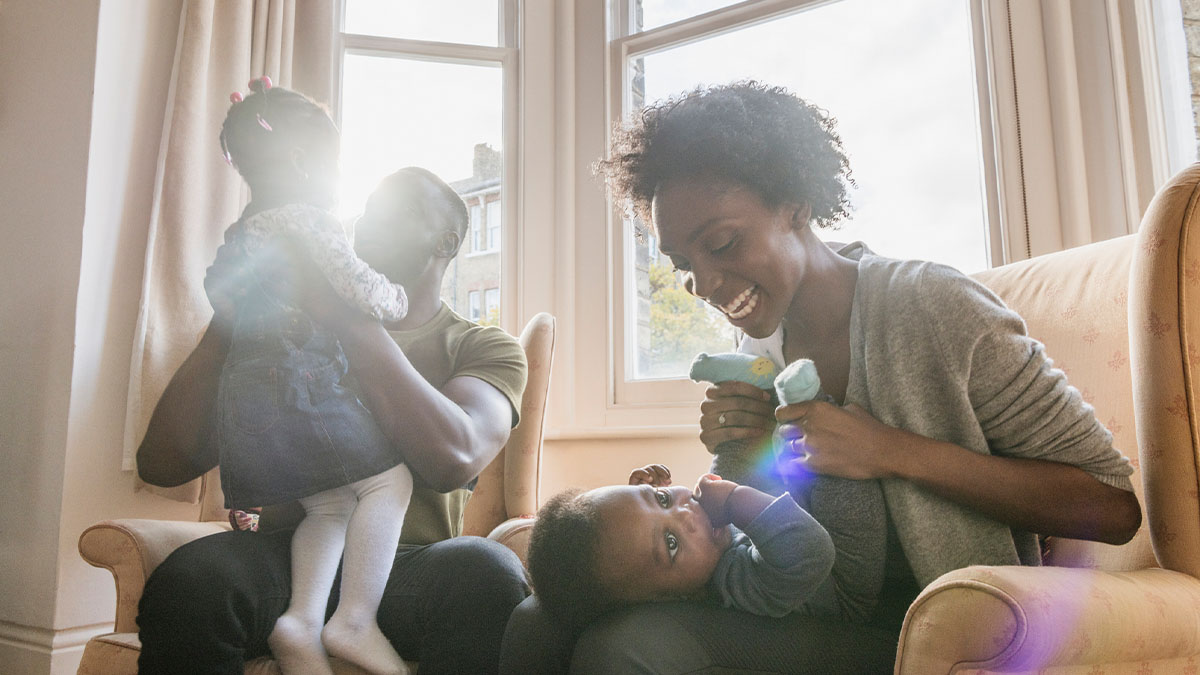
(655, 542)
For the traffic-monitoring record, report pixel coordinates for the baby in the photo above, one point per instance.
(653, 541)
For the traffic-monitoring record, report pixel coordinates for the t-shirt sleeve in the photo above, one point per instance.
(492, 355)
(776, 564)
(1024, 404)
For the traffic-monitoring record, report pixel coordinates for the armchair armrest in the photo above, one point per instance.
(1027, 618)
(131, 549)
(514, 533)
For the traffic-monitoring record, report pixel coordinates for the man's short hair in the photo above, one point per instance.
(446, 208)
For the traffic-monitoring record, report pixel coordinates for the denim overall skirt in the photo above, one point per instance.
(286, 426)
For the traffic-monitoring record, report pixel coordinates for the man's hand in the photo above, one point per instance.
(713, 495)
(652, 474)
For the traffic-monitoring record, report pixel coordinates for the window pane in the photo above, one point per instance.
(905, 108)
(493, 225)
(670, 325)
(650, 14)
(468, 21)
(473, 298)
(443, 117)
(899, 78)
(476, 227)
(491, 307)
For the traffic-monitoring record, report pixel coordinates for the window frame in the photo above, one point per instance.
(1022, 50)
(475, 226)
(623, 47)
(474, 304)
(493, 243)
(559, 240)
(507, 57)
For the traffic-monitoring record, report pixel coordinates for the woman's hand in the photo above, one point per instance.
(651, 474)
(735, 411)
(837, 441)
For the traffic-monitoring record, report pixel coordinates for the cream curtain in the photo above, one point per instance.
(220, 46)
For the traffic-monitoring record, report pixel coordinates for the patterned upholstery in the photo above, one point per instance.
(1121, 318)
(506, 491)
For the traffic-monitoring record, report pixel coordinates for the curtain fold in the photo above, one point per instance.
(221, 45)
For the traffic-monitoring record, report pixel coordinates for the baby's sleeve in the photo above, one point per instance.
(780, 559)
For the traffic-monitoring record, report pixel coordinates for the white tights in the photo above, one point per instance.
(365, 518)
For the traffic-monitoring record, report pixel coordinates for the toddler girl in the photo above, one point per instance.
(287, 428)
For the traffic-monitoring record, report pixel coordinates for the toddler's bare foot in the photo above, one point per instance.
(363, 644)
(296, 646)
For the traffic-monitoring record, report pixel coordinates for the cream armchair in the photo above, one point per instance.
(1122, 318)
(502, 506)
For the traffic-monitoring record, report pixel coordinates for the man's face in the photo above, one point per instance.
(395, 235)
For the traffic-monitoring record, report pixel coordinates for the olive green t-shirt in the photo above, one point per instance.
(446, 347)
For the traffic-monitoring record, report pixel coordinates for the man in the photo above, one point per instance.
(443, 390)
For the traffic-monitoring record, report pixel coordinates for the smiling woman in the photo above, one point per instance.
(918, 167)
(932, 388)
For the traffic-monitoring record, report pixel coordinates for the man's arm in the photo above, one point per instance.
(447, 436)
(178, 443)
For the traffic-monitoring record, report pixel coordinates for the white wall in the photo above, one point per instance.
(71, 265)
(47, 53)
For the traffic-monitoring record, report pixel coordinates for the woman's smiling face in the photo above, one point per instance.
(737, 253)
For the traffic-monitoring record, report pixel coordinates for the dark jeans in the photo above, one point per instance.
(680, 638)
(213, 602)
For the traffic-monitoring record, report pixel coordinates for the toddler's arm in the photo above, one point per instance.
(780, 560)
(787, 561)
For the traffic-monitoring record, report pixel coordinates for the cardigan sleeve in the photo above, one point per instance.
(1023, 404)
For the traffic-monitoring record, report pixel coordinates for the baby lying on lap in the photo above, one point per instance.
(653, 541)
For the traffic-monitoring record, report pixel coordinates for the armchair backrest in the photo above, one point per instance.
(508, 487)
(1164, 313)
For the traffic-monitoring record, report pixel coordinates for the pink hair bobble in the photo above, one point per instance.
(263, 123)
(260, 84)
(235, 97)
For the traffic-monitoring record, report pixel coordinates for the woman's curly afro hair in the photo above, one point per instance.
(766, 138)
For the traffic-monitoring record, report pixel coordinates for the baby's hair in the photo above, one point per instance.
(260, 127)
(766, 138)
(562, 559)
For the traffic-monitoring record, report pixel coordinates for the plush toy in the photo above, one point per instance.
(797, 383)
(760, 466)
(756, 370)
